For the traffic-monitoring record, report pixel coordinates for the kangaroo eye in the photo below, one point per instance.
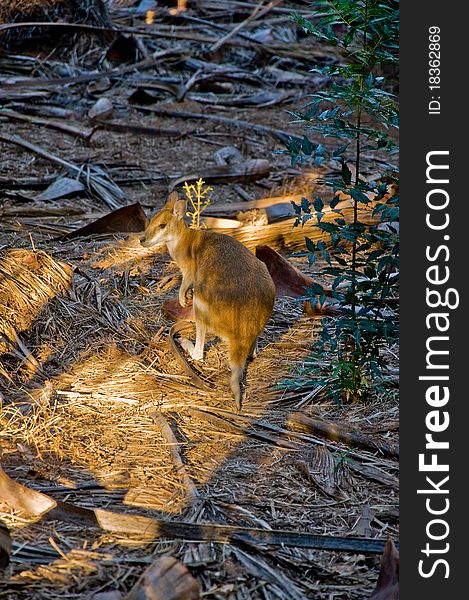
(162, 225)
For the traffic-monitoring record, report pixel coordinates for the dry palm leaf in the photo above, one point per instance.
(320, 467)
(28, 280)
(96, 180)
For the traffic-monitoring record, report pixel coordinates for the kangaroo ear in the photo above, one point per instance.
(179, 208)
(171, 200)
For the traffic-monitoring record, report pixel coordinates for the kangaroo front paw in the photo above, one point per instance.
(182, 299)
(186, 296)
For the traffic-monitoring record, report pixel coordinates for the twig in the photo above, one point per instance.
(248, 430)
(279, 134)
(41, 83)
(257, 13)
(172, 443)
(134, 128)
(18, 141)
(84, 134)
(183, 89)
(338, 433)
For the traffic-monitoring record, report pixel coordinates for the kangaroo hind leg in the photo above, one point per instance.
(196, 351)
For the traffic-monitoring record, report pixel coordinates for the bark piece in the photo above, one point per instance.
(319, 466)
(387, 587)
(129, 218)
(101, 110)
(165, 579)
(24, 499)
(60, 188)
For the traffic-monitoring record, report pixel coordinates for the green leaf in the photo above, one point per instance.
(310, 244)
(318, 205)
(359, 196)
(305, 205)
(346, 174)
(307, 146)
(316, 289)
(296, 207)
(339, 151)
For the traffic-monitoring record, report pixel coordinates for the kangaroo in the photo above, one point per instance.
(233, 292)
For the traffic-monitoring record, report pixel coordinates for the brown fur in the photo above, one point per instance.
(233, 290)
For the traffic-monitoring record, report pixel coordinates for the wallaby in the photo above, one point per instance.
(233, 292)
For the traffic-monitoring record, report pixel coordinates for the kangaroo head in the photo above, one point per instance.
(165, 227)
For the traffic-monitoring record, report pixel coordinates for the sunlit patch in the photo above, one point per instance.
(181, 7)
(103, 414)
(150, 17)
(126, 254)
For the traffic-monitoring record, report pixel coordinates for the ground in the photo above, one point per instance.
(93, 417)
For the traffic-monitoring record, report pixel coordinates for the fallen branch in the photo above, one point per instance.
(250, 170)
(276, 438)
(375, 474)
(338, 433)
(134, 128)
(209, 414)
(35, 504)
(279, 134)
(257, 13)
(173, 447)
(84, 134)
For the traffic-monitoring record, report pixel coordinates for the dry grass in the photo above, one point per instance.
(28, 280)
(83, 426)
